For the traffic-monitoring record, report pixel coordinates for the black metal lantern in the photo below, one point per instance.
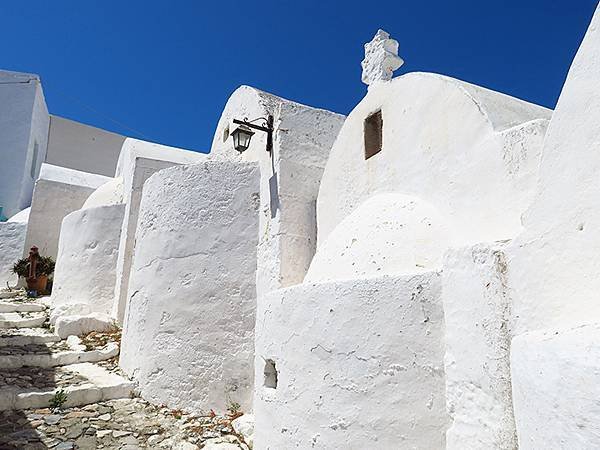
(241, 138)
(242, 134)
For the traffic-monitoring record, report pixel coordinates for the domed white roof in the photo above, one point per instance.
(110, 193)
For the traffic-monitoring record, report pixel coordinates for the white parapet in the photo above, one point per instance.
(58, 192)
(351, 364)
(555, 386)
(87, 258)
(477, 336)
(12, 240)
(188, 334)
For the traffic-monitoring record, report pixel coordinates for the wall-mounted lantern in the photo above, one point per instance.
(243, 134)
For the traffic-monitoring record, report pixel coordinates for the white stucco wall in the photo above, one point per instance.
(289, 179)
(555, 387)
(387, 234)
(110, 193)
(477, 309)
(471, 153)
(12, 239)
(137, 162)
(188, 335)
(87, 258)
(24, 121)
(359, 365)
(58, 192)
(555, 262)
(83, 147)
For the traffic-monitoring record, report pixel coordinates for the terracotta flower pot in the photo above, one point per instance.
(37, 284)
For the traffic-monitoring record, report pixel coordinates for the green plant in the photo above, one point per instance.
(58, 399)
(44, 266)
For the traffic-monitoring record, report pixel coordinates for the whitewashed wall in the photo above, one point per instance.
(83, 147)
(188, 335)
(359, 365)
(12, 239)
(137, 162)
(58, 192)
(87, 258)
(477, 314)
(289, 179)
(556, 261)
(24, 121)
(471, 153)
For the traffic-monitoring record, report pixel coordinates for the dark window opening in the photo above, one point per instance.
(270, 374)
(373, 132)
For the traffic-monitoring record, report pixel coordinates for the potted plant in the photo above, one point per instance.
(44, 267)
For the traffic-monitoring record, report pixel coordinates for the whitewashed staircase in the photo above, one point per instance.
(35, 364)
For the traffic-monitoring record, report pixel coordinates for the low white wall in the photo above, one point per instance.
(359, 365)
(57, 192)
(556, 390)
(87, 258)
(188, 335)
(12, 239)
(477, 336)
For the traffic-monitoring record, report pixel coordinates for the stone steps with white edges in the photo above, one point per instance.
(26, 336)
(22, 320)
(51, 358)
(13, 306)
(88, 383)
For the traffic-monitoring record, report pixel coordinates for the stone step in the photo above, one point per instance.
(84, 384)
(52, 355)
(8, 307)
(22, 320)
(26, 336)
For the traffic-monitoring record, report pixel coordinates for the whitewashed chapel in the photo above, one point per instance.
(421, 274)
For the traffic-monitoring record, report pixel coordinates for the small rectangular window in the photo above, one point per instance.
(34, 159)
(373, 130)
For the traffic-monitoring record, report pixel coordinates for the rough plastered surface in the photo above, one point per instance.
(555, 386)
(290, 178)
(470, 152)
(58, 192)
(137, 162)
(359, 365)
(12, 239)
(188, 335)
(110, 193)
(387, 234)
(87, 258)
(477, 362)
(556, 261)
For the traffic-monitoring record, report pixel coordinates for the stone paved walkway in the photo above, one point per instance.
(124, 423)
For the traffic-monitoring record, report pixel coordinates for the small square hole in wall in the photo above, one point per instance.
(373, 131)
(270, 374)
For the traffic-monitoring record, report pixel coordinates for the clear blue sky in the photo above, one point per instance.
(166, 68)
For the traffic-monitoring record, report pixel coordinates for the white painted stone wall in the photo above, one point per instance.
(387, 234)
(471, 153)
(188, 335)
(555, 387)
(12, 239)
(24, 123)
(137, 162)
(555, 262)
(58, 192)
(83, 147)
(290, 178)
(477, 309)
(359, 365)
(87, 258)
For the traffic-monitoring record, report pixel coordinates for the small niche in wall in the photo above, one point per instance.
(226, 133)
(270, 374)
(373, 132)
(34, 158)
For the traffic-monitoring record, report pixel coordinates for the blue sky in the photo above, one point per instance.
(166, 68)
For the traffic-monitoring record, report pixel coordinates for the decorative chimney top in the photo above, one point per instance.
(381, 59)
